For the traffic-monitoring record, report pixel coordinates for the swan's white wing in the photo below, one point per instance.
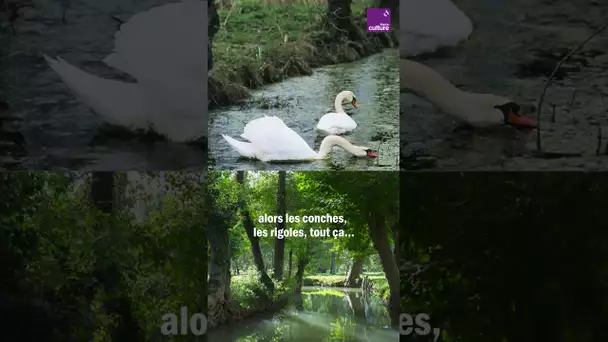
(243, 148)
(118, 103)
(427, 25)
(336, 123)
(274, 141)
(166, 42)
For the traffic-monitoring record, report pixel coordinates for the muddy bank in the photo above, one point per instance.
(294, 58)
(222, 314)
(513, 49)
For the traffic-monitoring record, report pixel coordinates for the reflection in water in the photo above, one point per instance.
(319, 314)
(57, 127)
(374, 80)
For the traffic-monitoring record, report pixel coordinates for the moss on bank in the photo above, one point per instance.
(261, 44)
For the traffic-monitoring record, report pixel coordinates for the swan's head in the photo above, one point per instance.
(362, 151)
(511, 116)
(348, 96)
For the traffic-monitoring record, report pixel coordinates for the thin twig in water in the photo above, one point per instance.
(553, 114)
(599, 141)
(572, 98)
(229, 13)
(539, 107)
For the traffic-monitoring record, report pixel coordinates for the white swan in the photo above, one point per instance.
(427, 25)
(270, 140)
(339, 122)
(478, 110)
(165, 50)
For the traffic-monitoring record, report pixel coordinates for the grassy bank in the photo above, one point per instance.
(249, 298)
(261, 43)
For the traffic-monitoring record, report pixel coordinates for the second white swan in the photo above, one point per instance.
(270, 140)
(339, 122)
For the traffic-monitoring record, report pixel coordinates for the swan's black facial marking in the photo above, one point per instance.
(507, 109)
(513, 117)
(354, 102)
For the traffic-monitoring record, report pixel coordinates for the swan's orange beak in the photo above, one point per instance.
(520, 120)
(354, 102)
(371, 154)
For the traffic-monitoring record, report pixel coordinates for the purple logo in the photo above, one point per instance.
(378, 19)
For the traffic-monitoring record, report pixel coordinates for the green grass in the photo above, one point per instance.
(260, 44)
(336, 279)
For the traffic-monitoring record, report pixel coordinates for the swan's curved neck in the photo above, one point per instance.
(429, 84)
(334, 140)
(338, 103)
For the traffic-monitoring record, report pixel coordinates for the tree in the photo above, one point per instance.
(219, 251)
(102, 196)
(248, 225)
(279, 244)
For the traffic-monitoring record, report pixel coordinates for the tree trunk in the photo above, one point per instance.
(248, 225)
(379, 234)
(219, 266)
(332, 266)
(302, 263)
(102, 196)
(339, 12)
(354, 271)
(279, 244)
(290, 261)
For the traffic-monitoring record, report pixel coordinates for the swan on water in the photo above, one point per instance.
(478, 110)
(339, 122)
(165, 50)
(270, 140)
(427, 25)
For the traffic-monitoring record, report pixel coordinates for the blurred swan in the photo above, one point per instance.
(427, 25)
(164, 49)
(478, 110)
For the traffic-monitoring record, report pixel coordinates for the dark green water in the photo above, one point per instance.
(375, 82)
(321, 314)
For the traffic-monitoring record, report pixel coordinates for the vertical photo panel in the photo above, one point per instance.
(503, 257)
(103, 256)
(104, 86)
(497, 85)
(304, 85)
(303, 256)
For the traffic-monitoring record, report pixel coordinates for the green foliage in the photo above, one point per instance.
(73, 262)
(501, 256)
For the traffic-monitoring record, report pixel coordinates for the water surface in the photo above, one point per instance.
(320, 314)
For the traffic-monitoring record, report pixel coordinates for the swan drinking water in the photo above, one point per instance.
(339, 122)
(165, 51)
(270, 140)
(478, 110)
(427, 26)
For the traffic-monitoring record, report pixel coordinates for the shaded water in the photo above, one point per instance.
(59, 130)
(511, 42)
(320, 314)
(301, 103)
